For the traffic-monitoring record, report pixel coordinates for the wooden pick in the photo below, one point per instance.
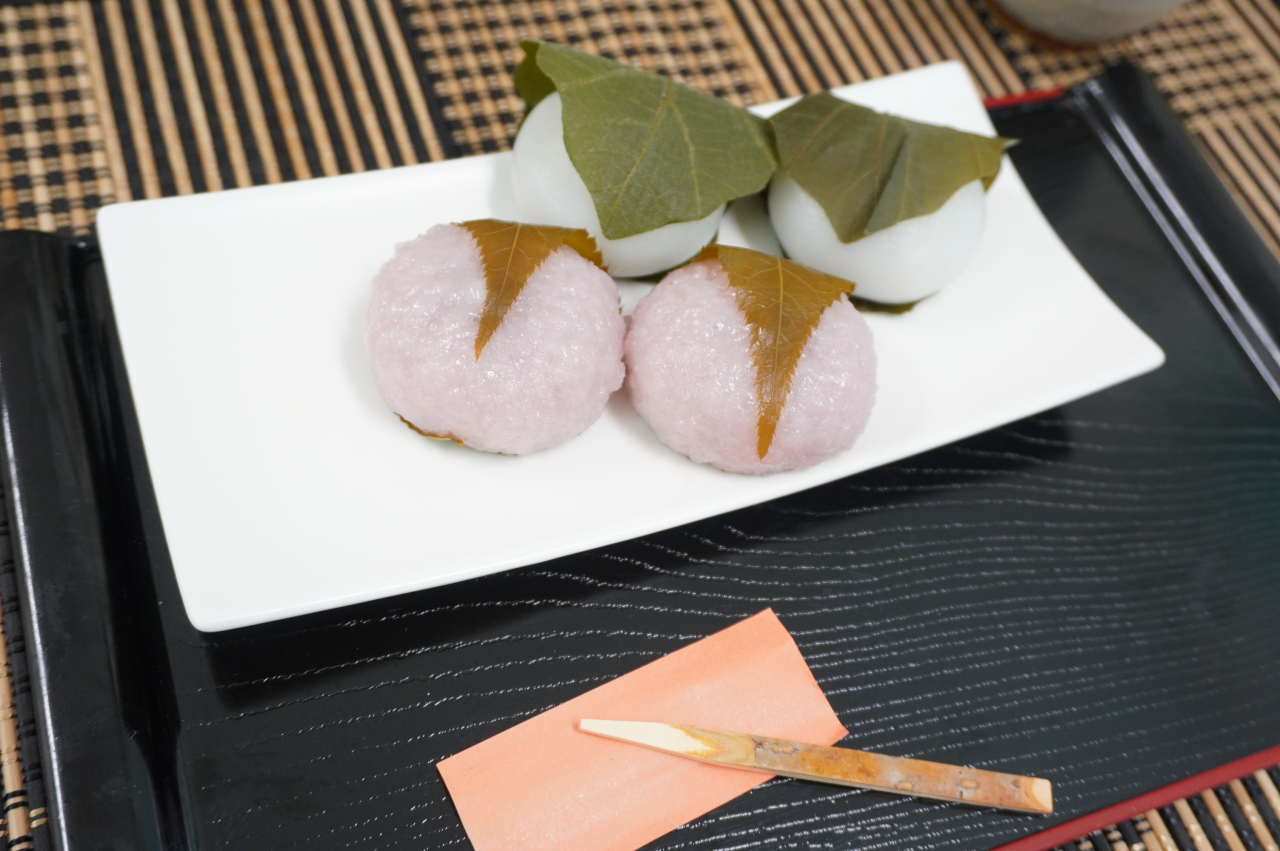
(841, 766)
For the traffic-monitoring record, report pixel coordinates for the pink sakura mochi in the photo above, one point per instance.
(542, 378)
(691, 378)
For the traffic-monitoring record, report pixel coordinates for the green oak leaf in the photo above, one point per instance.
(869, 170)
(650, 150)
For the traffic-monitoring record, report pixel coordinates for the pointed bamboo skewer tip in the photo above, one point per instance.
(841, 766)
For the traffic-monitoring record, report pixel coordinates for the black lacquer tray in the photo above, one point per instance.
(1088, 595)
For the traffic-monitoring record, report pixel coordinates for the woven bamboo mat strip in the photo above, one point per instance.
(17, 831)
(224, 93)
(1241, 814)
(105, 100)
(470, 46)
(53, 171)
(19, 822)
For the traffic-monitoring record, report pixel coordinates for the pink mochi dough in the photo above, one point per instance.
(544, 376)
(690, 376)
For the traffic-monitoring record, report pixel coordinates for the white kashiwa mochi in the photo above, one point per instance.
(903, 263)
(543, 377)
(549, 192)
(691, 378)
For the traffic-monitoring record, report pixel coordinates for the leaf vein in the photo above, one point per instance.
(644, 149)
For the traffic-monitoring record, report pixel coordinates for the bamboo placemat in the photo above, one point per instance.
(117, 99)
(22, 815)
(110, 100)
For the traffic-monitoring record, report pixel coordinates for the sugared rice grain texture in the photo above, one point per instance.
(543, 377)
(690, 376)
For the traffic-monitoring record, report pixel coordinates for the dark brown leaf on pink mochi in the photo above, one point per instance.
(511, 252)
(413, 427)
(782, 302)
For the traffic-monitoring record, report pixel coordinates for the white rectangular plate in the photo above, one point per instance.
(287, 486)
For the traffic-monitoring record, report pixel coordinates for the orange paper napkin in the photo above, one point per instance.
(545, 785)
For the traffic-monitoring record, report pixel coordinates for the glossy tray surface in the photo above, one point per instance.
(1087, 595)
(241, 319)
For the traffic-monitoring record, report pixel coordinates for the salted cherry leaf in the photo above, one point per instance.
(414, 428)
(869, 170)
(782, 302)
(510, 252)
(651, 151)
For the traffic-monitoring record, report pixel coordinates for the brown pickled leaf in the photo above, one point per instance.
(866, 305)
(510, 252)
(413, 427)
(782, 302)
